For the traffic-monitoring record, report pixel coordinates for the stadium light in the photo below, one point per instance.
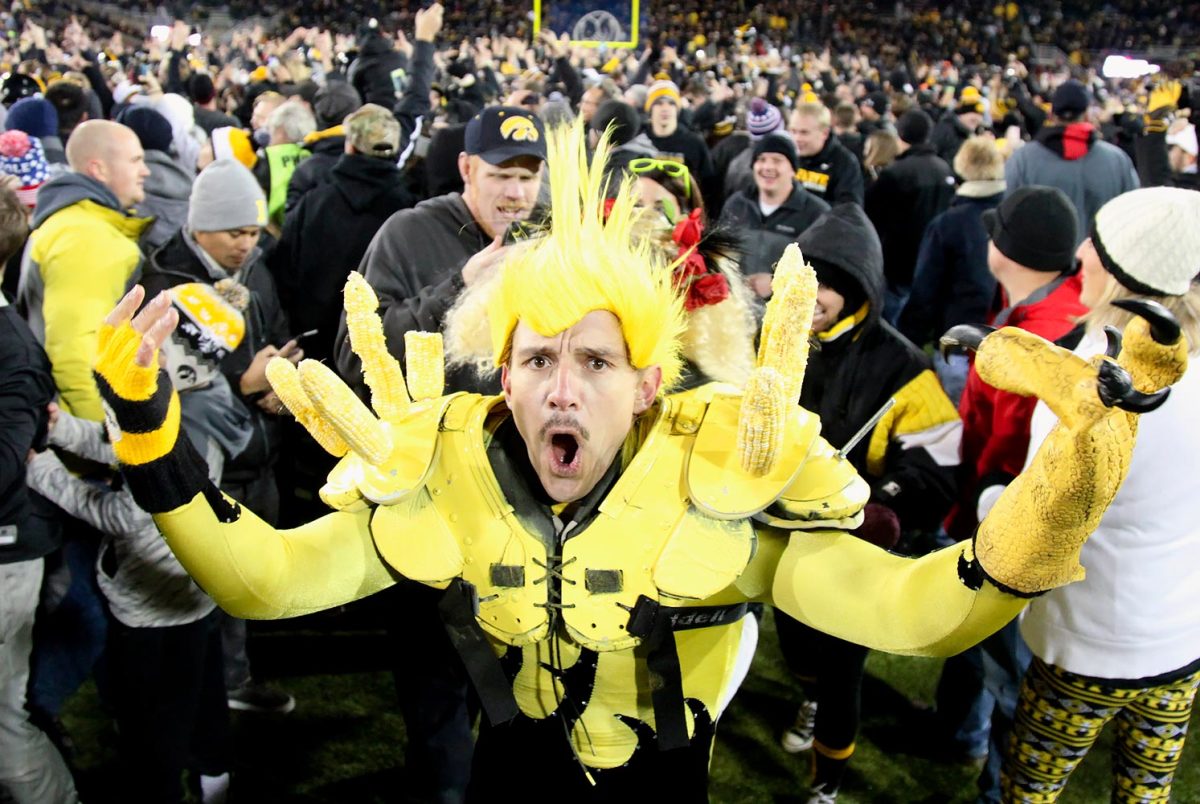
(1125, 67)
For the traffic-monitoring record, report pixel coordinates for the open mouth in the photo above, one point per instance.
(564, 454)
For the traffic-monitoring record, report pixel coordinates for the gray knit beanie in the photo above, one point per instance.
(226, 196)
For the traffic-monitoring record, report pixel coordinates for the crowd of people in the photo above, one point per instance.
(931, 174)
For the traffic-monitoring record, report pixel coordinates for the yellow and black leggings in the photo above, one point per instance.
(1060, 715)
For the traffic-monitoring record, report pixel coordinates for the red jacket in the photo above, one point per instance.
(996, 423)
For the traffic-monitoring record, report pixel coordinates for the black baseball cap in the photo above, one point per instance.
(500, 133)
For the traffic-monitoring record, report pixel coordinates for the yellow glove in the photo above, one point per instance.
(1031, 540)
(1164, 100)
(141, 407)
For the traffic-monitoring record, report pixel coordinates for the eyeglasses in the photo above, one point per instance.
(676, 170)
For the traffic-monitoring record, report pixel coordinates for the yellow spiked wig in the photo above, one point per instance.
(586, 261)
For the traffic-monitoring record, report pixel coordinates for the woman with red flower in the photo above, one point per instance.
(719, 343)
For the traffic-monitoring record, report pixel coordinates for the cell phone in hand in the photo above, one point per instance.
(303, 335)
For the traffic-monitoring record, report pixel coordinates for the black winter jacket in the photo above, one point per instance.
(910, 456)
(376, 70)
(28, 527)
(176, 264)
(765, 238)
(833, 174)
(415, 266)
(907, 196)
(325, 152)
(324, 239)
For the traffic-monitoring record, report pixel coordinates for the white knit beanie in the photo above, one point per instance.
(1149, 239)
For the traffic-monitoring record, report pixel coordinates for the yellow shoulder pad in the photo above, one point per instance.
(716, 482)
(827, 493)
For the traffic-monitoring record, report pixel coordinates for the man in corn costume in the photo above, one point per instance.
(599, 540)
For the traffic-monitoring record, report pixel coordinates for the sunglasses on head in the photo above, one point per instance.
(676, 170)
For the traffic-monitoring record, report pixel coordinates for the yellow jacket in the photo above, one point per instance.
(81, 258)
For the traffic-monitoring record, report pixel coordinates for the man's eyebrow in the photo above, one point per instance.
(526, 352)
(602, 352)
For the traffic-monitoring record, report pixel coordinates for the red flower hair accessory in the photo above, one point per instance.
(701, 287)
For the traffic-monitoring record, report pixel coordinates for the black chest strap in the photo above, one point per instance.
(655, 625)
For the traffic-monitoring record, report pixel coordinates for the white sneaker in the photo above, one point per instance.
(819, 795)
(800, 736)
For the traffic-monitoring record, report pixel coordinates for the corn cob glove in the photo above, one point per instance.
(142, 412)
(773, 390)
(342, 424)
(1031, 540)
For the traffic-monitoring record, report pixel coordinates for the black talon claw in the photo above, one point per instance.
(963, 336)
(1164, 327)
(1114, 341)
(1115, 387)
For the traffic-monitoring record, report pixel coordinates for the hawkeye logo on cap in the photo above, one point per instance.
(519, 128)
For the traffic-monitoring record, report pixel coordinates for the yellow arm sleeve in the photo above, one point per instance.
(855, 591)
(257, 572)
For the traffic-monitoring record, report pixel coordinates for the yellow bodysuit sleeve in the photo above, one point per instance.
(853, 590)
(255, 571)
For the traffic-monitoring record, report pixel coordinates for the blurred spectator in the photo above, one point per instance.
(31, 768)
(952, 284)
(1167, 151)
(953, 129)
(774, 214)
(761, 119)
(378, 74)
(327, 143)
(22, 158)
(879, 151)
(168, 186)
(907, 196)
(1067, 154)
(38, 118)
(826, 168)
(663, 106)
(289, 125)
(203, 93)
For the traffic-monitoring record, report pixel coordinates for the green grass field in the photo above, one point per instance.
(344, 743)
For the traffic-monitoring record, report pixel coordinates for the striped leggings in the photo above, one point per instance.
(1060, 715)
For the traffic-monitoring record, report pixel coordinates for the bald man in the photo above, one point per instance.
(83, 253)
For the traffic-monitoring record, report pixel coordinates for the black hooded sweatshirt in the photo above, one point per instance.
(860, 362)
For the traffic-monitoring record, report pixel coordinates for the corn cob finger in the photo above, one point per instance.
(285, 381)
(389, 395)
(762, 420)
(424, 364)
(338, 405)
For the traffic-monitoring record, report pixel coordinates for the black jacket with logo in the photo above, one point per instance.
(765, 237)
(833, 175)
